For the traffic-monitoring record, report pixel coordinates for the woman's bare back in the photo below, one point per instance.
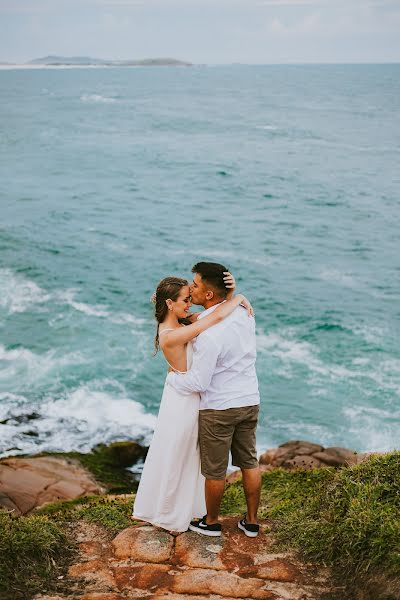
(175, 356)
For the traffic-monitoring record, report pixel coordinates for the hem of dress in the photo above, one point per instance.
(159, 525)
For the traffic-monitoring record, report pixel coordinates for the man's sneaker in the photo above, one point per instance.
(248, 528)
(200, 526)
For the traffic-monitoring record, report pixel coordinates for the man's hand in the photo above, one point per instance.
(230, 284)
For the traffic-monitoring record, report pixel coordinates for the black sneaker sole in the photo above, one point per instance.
(251, 534)
(206, 532)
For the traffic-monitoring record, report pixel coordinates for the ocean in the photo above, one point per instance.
(112, 178)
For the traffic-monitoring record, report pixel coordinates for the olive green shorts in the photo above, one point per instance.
(221, 431)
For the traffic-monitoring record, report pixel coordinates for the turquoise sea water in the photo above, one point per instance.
(111, 179)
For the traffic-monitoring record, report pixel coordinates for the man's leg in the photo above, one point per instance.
(252, 490)
(214, 492)
(244, 455)
(216, 428)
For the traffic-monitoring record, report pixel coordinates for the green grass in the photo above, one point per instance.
(352, 521)
(34, 549)
(113, 512)
(347, 518)
(31, 550)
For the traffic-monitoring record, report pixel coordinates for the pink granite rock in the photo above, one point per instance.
(144, 543)
(196, 551)
(207, 581)
(303, 461)
(27, 483)
(337, 457)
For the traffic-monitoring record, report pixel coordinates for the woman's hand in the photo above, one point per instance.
(247, 305)
(230, 284)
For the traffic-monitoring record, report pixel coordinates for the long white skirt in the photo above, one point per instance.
(171, 489)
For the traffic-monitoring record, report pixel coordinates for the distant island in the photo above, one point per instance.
(88, 61)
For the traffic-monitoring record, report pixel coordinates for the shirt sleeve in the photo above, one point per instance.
(198, 378)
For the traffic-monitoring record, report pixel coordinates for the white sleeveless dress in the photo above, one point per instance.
(171, 489)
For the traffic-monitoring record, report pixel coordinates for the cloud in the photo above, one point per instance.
(338, 21)
(52, 6)
(307, 25)
(278, 3)
(203, 30)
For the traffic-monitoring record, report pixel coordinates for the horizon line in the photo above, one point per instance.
(203, 63)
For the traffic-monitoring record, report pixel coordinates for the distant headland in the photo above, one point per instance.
(86, 61)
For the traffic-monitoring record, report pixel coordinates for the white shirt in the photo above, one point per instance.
(223, 368)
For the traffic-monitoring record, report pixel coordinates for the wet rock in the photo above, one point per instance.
(18, 419)
(124, 454)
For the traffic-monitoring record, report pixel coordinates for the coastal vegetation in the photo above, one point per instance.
(346, 518)
(33, 550)
(108, 464)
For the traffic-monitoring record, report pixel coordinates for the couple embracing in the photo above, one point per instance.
(209, 405)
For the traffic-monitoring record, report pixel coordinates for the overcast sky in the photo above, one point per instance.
(203, 31)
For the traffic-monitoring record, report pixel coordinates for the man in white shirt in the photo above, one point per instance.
(223, 371)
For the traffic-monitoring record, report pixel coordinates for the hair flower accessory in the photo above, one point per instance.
(153, 298)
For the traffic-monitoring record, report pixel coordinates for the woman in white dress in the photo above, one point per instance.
(171, 489)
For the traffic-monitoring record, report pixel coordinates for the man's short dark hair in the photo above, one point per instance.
(213, 275)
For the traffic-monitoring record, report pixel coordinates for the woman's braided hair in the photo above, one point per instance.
(168, 288)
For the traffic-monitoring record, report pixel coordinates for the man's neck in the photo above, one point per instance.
(209, 303)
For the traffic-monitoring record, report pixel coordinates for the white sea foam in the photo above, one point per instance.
(90, 310)
(335, 276)
(121, 318)
(98, 310)
(21, 364)
(360, 361)
(290, 351)
(299, 430)
(268, 127)
(377, 428)
(8, 401)
(18, 294)
(349, 281)
(371, 334)
(119, 247)
(98, 98)
(84, 417)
